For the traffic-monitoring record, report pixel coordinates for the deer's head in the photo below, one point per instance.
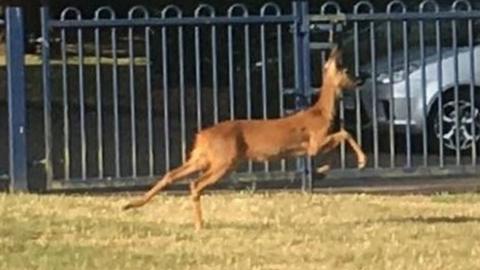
(334, 75)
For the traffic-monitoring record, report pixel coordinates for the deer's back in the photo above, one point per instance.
(255, 139)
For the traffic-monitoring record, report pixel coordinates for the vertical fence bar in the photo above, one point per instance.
(277, 12)
(423, 56)
(407, 85)
(213, 51)
(357, 9)
(181, 80)
(424, 92)
(424, 86)
(98, 72)
(98, 80)
(131, 73)
(374, 94)
(81, 88)
(306, 80)
(248, 84)
(472, 92)
(83, 133)
(116, 121)
(406, 66)
(283, 163)
(439, 52)
(231, 65)
(198, 76)
(46, 76)
(131, 68)
(358, 101)
(66, 120)
(214, 70)
(341, 109)
(456, 92)
(165, 95)
(298, 65)
(231, 82)
(391, 99)
(302, 73)
(341, 115)
(183, 128)
(471, 89)
(263, 59)
(148, 64)
(332, 7)
(16, 99)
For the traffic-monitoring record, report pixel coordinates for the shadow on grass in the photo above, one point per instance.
(425, 220)
(220, 225)
(241, 226)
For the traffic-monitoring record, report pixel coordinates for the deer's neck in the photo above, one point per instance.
(325, 104)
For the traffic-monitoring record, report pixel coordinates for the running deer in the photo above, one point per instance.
(218, 149)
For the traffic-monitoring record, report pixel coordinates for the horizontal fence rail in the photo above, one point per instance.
(181, 21)
(387, 16)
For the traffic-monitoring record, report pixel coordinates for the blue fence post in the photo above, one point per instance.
(16, 99)
(302, 74)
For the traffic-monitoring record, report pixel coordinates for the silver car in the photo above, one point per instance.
(395, 83)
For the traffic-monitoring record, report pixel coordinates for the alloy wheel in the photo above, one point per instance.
(449, 122)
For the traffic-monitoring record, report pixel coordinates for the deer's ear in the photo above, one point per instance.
(335, 55)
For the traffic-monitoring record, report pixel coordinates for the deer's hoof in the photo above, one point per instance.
(323, 169)
(362, 162)
(198, 227)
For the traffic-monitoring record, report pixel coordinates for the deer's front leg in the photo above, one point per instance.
(332, 141)
(313, 145)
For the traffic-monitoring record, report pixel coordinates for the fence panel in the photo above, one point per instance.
(123, 97)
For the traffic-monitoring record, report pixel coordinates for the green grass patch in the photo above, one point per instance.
(243, 231)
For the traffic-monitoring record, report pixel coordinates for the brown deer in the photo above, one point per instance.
(218, 149)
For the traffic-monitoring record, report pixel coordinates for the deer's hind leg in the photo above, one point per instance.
(184, 170)
(211, 176)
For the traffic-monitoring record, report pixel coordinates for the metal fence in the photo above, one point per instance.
(123, 95)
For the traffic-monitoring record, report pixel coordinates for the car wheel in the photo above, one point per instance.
(447, 128)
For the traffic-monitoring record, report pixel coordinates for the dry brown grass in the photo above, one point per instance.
(243, 231)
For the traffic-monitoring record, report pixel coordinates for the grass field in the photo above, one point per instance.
(243, 231)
